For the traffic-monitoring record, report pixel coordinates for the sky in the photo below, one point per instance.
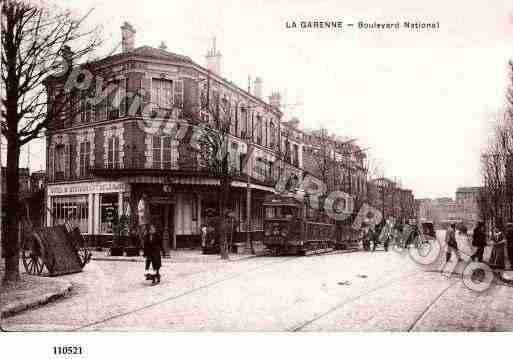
(422, 101)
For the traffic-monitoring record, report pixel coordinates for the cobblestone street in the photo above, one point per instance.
(338, 291)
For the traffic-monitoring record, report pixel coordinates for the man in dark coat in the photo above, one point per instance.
(479, 241)
(152, 243)
(509, 243)
(452, 244)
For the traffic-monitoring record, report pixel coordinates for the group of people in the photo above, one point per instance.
(480, 241)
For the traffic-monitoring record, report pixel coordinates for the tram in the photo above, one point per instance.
(291, 227)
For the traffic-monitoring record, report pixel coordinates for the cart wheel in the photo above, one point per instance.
(32, 261)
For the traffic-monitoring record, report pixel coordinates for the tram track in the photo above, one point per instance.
(338, 306)
(430, 306)
(302, 325)
(194, 290)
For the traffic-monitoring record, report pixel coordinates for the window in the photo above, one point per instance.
(244, 123)
(85, 155)
(113, 152)
(295, 155)
(157, 151)
(270, 212)
(61, 162)
(178, 93)
(266, 132)
(259, 130)
(273, 135)
(75, 107)
(235, 118)
(74, 209)
(116, 100)
(86, 109)
(101, 110)
(234, 157)
(169, 153)
(108, 212)
(161, 94)
(165, 152)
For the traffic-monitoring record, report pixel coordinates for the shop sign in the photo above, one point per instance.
(85, 188)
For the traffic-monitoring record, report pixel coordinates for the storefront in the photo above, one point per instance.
(90, 206)
(177, 209)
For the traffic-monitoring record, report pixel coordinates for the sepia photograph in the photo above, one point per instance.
(255, 166)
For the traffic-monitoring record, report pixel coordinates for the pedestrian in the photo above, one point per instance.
(509, 243)
(203, 237)
(499, 247)
(364, 235)
(479, 241)
(452, 244)
(152, 251)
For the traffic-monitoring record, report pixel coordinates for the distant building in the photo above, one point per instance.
(394, 201)
(31, 190)
(463, 209)
(467, 198)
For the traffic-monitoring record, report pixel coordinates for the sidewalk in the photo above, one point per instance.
(178, 256)
(31, 291)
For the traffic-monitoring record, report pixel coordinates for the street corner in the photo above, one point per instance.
(31, 292)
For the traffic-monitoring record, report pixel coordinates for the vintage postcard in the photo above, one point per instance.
(256, 166)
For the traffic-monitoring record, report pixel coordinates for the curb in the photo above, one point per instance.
(172, 260)
(10, 310)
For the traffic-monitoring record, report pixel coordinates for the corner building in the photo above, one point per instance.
(102, 158)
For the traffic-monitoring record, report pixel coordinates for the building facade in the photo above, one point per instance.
(129, 136)
(393, 201)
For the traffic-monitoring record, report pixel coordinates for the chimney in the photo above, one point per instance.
(275, 100)
(127, 37)
(163, 46)
(214, 59)
(257, 89)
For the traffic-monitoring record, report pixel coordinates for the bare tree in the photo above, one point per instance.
(34, 40)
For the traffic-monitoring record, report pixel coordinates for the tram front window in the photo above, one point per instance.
(288, 212)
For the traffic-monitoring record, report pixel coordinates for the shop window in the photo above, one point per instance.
(108, 212)
(71, 209)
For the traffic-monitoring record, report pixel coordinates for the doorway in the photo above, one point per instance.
(162, 217)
